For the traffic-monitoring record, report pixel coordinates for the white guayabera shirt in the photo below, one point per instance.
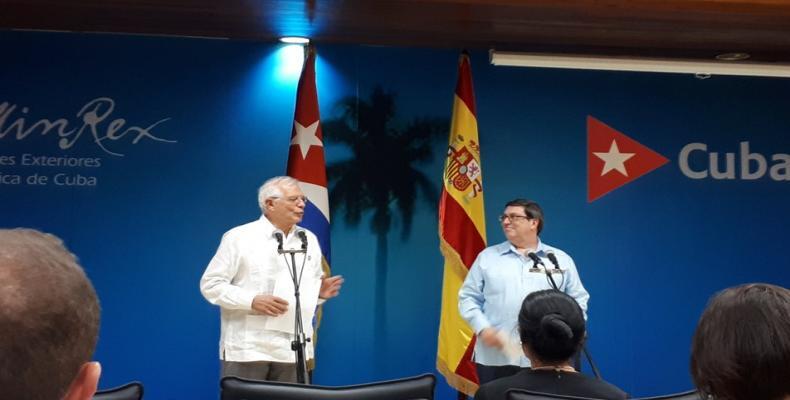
(247, 264)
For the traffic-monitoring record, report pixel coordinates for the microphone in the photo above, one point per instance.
(303, 238)
(536, 259)
(553, 259)
(279, 237)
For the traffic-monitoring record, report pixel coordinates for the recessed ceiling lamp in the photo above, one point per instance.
(294, 40)
(694, 67)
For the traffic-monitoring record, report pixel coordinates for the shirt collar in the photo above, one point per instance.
(541, 250)
(269, 228)
(506, 247)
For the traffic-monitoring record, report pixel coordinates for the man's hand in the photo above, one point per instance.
(330, 287)
(490, 338)
(269, 305)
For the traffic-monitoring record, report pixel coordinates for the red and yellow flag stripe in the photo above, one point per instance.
(461, 232)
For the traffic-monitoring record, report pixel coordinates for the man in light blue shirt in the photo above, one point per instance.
(499, 280)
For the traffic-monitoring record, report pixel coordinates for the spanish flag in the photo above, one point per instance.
(461, 233)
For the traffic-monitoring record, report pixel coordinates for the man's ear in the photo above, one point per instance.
(84, 385)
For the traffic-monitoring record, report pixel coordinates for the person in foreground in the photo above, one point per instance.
(552, 329)
(741, 348)
(500, 278)
(241, 279)
(49, 320)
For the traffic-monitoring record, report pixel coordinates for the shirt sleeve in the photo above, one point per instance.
(318, 270)
(471, 299)
(216, 286)
(575, 288)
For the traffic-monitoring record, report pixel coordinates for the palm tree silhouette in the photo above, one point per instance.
(381, 176)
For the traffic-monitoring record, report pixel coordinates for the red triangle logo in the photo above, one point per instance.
(614, 159)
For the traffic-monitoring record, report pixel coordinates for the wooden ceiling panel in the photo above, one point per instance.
(657, 28)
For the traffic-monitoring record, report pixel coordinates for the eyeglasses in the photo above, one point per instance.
(513, 217)
(294, 199)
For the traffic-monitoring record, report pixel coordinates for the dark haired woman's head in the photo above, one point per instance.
(551, 325)
(741, 349)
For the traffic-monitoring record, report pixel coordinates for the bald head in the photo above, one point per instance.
(49, 316)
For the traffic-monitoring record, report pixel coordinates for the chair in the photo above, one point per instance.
(689, 395)
(516, 394)
(129, 391)
(519, 394)
(414, 388)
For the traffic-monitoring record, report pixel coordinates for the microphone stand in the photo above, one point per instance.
(555, 287)
(299, 344)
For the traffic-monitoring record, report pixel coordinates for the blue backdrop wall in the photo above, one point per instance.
(156, 146)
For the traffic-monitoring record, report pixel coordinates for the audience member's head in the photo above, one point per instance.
(551, 325)
(741, 349)
(49, 320)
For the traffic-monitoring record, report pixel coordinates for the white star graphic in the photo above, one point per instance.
(305, 137)
(614, 159)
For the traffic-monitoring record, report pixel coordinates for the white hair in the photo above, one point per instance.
(272, 189)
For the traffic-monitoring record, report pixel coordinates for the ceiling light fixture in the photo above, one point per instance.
(294, 40)
(732, 56)
(501, 58)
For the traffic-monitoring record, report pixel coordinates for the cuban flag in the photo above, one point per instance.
(306, 157)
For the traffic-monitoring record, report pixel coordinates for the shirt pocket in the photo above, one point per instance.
(261, 272)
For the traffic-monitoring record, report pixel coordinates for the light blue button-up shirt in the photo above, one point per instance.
(498, 282)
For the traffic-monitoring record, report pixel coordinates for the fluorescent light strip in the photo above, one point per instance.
(740, 68)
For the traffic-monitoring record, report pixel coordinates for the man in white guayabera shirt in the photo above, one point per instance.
(247, 272)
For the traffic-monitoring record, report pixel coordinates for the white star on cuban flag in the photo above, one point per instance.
(305, 137)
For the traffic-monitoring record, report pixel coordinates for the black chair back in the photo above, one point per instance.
(415, 388)
(129, 391)
(689, 395)
(519, 394)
